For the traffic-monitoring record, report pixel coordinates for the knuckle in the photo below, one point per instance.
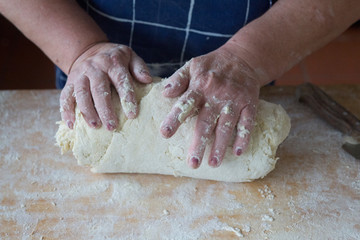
(99, 89)
(114, 72)
(105, 113)
(211, 76)
(123, 78)
(246, 122)
(119, 52)
(206, 123)
(67, 91)
(115, 58)
(123, 84)
(196, 61)
(194, 93)
(65, 105)
(183, 72)
(226, 127)
(81, 93)
(66, 101)
(117, 72)
(125, 49)
(242, 132)
(220, 148)
(242, 143)
(228, 109)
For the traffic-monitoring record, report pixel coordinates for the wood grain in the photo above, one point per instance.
(314, 192)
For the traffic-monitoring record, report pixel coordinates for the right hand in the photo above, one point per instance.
(90, 79)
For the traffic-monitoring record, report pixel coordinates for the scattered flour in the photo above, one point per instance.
(46, 196)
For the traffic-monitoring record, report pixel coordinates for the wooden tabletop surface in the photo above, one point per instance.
(313, 193)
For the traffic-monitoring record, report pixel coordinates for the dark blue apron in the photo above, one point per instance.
(167, 33)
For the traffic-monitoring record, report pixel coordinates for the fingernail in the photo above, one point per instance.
(214, 162)
(167, 86)
(144, 72)
(94, 124)
(111, 125)
(70, 124)
(238, 151)
(167, 129)
(194, 162)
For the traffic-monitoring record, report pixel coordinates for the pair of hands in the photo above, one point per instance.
(219, 85)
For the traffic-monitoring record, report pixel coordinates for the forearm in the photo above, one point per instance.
(290, 31)
(60, 28)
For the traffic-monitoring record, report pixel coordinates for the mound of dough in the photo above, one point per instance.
(138, 147)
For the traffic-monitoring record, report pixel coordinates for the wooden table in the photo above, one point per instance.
(314, 192)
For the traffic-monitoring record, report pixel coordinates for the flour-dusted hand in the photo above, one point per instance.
(224, 90)
(89, 84)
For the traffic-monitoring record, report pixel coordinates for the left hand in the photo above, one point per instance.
(224, 89)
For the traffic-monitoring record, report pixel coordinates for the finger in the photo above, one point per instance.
(122, 81)
(67, 105)
(85, 103)
(244, 127)
(223, 133)
(184, 107)
(177, 83)
(139, 70)
(204, 127)
(101, 94)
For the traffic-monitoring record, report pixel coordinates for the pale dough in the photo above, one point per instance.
(138, 147)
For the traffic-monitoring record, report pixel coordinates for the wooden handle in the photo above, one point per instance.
(329, 109)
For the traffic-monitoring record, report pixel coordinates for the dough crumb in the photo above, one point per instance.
(226, 109)
(237, 231)
(228, 124)
(246, 228)
(128, 106)
(266, 226)
(267, 218)
(185, 109)
(242, 131)
(266, 193)
(272, 211)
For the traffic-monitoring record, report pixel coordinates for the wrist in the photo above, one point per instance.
(84, 51)
(249, 61)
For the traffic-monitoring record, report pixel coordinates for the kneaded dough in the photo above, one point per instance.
(138, 147)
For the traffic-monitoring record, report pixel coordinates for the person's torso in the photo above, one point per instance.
(166, 33)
